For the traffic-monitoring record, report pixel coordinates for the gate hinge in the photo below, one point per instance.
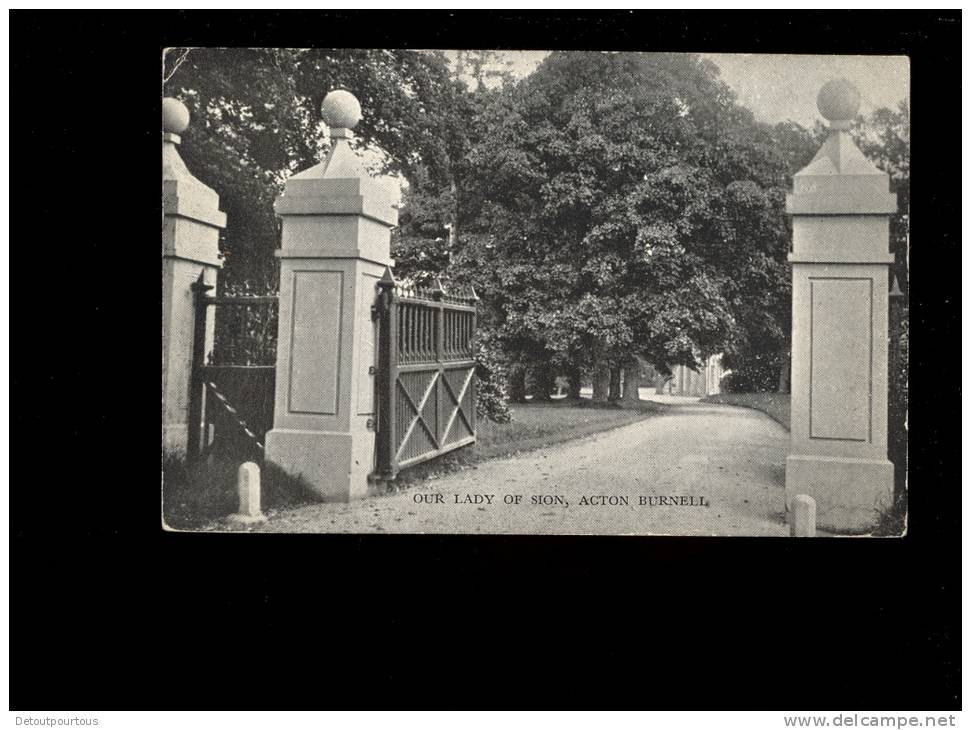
(370, 424)
(372, 370)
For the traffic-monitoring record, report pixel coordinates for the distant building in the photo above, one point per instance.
(686, 381)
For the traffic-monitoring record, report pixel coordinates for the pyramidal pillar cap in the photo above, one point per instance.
(186, 199)
(840, 180)
(340, 184)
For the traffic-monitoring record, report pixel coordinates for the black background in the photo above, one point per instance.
(109, 612)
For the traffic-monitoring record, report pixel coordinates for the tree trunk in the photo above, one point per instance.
(632, 379)
(614, 393)
(542, 383)
(601, 382)
(785, 371)
(660, 383)
(573, 378)
(517, 384)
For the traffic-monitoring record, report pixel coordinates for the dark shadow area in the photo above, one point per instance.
(197, 494)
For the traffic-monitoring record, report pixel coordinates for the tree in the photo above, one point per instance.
(433, 216)
(623, 205)
(758, 352)
(255, 121)
(437, 206)
(884, 137)
(759, 355)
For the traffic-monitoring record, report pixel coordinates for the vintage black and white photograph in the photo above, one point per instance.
(535, 292)
(506, 355)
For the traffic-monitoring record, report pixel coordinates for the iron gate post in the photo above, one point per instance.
(200, 305)
(474, 348)
(896, 414)
(386, 377)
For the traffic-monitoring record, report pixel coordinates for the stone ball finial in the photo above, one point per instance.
(175, 116)
(839, 101)
(340, 109)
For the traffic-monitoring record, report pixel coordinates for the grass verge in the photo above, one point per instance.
(774, 405)
(193, 496)
(893, 520)
(533, 426)
(199, 495)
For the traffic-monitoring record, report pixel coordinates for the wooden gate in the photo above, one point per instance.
(426, 374)
(231, 396)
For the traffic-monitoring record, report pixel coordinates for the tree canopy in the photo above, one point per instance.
(624, 204)
(606, 207)
(884, 137)
(255, 121)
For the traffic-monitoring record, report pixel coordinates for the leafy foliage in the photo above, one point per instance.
(755, 373)
(898, 401)
(244, 335)
(622, 205)
(608, 207)
(884, 137)
(255, 121)
(490, 394)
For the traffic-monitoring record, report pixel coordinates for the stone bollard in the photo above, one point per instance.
(803, 518)
(248, 487)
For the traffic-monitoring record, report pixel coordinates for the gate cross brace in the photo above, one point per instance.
(224, 402)
(418, 417)
(458, 404)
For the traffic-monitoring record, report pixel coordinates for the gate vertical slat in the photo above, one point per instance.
(437, 294)
(415, 325)
(427, 349)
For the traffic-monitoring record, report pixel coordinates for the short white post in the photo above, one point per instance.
(803, 516)
(248, 487)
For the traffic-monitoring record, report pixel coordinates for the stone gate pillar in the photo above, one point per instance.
(191, 221)
(841, 207)
(336, 245)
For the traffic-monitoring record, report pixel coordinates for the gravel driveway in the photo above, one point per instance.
(698, 469)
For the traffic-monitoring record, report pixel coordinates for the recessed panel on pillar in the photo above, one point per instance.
(316, 338)
(841, 358)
